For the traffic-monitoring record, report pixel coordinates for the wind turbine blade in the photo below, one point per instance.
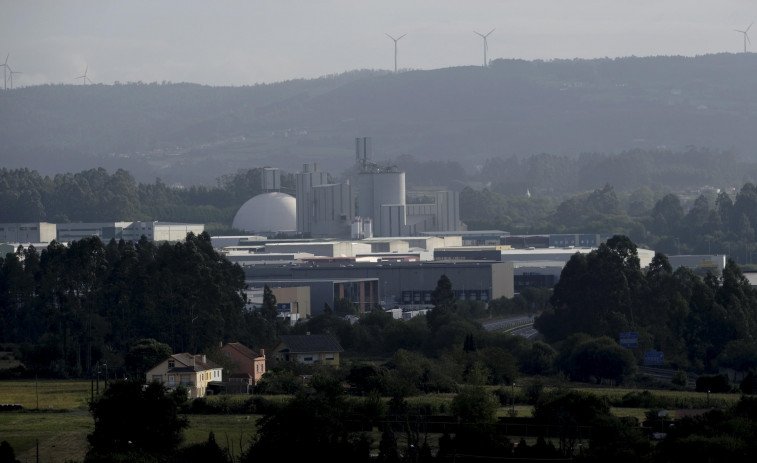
(401, 36)
(750, 26)
(6, 59)
(479, 34)
(491, 31)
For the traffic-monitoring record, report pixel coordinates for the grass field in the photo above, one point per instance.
(60, 427)
(47, 394)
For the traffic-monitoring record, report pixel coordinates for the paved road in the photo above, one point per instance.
(504, 323)
(528, 332)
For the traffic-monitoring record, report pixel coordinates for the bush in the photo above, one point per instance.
(680, 378)
(644, 399)
(713, 383)
(749, 383)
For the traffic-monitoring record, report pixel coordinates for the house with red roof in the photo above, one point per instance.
(248, 366)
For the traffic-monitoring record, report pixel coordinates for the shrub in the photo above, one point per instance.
(713, 383)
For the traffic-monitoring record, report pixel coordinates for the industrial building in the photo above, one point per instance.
(27, 232)
(398, 283)
(43, 232)
(320, 291)
(473, 238)
(269, 213)
(699, 263)
(323, 209)
(382, 198)
(127, 231)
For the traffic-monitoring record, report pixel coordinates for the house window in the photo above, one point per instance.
(171, 364)
(157, 378)
(329, 356)
(307, 359)
(228, 354)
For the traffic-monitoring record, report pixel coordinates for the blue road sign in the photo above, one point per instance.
(653, 357)
(629, 339)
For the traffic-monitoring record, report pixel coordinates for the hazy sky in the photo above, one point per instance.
(243, 42)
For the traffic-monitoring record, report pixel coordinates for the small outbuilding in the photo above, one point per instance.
(310, 349)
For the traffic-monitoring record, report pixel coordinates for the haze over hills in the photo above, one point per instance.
(193, 134)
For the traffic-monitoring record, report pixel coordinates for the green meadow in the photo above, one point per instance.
(55, 420)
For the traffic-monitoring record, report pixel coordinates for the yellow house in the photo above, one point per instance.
(309, 349)
(194, 372)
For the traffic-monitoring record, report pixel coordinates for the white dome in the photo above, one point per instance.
(268, 212)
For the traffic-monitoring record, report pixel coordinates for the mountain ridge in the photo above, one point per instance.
(192, 134)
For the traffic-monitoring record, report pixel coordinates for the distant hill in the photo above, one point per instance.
(191, 134)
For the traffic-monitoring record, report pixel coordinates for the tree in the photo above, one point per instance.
(309, 424)
(130, 418)
(388, 451)
(475, 405)
(570, 411)
(597, 292)
(599, 359)
(539, 360)
(7, 455)
(269, 310)
(145, 354)
(476, 409)
(443, 297)
(205, 452)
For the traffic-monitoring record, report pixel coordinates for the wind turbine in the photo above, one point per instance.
(5, 72)
(395, 49)
(11, 74)
(746, 35)
(84, 77)
(486, 44)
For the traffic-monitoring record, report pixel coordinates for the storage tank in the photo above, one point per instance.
(378, 188)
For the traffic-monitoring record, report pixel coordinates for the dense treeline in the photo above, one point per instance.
(95, 196)
(685, 217)
(555, 176)
(70, 307)
(697, 322)
(706, 222)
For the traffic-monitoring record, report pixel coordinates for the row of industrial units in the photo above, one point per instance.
(397, 274)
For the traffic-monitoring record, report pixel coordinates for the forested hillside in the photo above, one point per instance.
(193, 134)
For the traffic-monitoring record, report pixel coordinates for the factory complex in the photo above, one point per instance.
(360, 241)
